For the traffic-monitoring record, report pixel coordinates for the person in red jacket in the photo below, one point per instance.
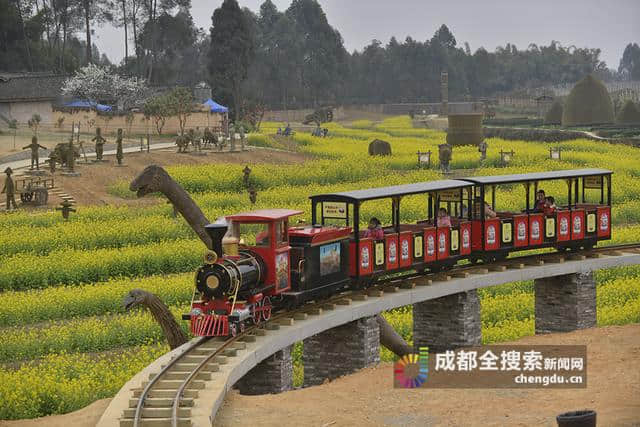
(374, 231)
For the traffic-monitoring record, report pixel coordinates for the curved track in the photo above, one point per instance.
(188, 385)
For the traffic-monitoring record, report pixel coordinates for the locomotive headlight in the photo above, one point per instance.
(196, 312)
(212, 282)
(210, 257)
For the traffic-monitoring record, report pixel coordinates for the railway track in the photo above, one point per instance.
(167, 398)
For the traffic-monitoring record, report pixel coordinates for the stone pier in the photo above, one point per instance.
(272, 375)
(565, 303)
(341, 350)
(447, 322)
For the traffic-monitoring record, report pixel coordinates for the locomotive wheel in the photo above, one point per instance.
(266, 308)
(257, 313)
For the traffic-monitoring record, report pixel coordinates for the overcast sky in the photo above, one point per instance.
(605, 24)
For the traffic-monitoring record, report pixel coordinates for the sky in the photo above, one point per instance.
(605, 24)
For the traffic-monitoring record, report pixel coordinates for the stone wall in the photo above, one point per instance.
(272, 375)
(565, 303)
(448, 322)
(341, 350)
(22, 111)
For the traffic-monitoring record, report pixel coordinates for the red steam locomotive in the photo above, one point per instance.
(243, 281)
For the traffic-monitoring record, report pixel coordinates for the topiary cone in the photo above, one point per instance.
(628, 114)
(554, 115)
(588, 103)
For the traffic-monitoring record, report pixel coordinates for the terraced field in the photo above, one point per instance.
(67, 341)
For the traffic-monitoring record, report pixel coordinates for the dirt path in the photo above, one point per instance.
(368, 399)
(91, 188)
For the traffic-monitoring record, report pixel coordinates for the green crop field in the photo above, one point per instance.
(67, 341)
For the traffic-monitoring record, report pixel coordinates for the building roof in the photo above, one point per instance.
(30, 87)
(536, 176)
(392, 191)
(264, 215)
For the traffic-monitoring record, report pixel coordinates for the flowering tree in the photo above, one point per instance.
(94, 83)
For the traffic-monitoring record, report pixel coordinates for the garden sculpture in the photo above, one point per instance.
(378, 147)
(71, 156)
(245, 177)
(53, 158)
(34, 152)
(322, 115)
(155, 179)
(172, 331)
(209, 138)
(99, 140)
(182, 141)
(445, 156)
(60, 153)
(195, 140)
(198, 134)
(253, 195)
(119, 155)
(9, 190)
(482, 148)
(65, 208)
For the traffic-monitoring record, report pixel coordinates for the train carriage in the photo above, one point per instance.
(420, 246)
(581, 222)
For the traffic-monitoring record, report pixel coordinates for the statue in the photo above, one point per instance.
(71, 158)
(34, 152)
(445, 156)
(482, 148)
(9, 189)
(155, 179)
(182, 141)
(172, 331)
(245, 177)
(99, 140)
(378, 147)
(53, 158)
(253, 195)
(209, 138)
(195, 141)
(65, 208)
(119, 155)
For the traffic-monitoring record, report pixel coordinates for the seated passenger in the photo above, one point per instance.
(550, 206)
(444, 220)
(540, 201)
(374, 231)
(488, 212)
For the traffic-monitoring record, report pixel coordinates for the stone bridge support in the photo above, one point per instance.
(272, 375)
(447, 322)
(341, 350)
(565, 303)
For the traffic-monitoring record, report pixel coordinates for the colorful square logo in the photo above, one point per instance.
(412, 370)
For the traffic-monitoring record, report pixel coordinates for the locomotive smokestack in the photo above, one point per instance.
(216, 232)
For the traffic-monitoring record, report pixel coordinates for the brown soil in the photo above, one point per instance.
(368, 398)
(85, 417)
(91, 187)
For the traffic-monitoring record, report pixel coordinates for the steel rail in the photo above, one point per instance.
(143, 396)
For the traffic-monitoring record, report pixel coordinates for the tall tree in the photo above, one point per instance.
(231, 51)
(95, 11)
(630, 62)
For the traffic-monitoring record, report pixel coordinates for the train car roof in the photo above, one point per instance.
(264, 215)
(392, 191)
(535, 176)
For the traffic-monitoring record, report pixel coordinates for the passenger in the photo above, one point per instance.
(488, 212)
(540, 201)
(550, 206)
(464, 211)
(444, 220)
(374, 231)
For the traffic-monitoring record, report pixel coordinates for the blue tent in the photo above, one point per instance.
(77, 103)
(215, 107)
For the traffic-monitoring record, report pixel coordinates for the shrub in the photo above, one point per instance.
(554, 115)
(588, 103)
(628, 114)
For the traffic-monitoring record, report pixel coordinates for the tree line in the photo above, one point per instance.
(281, 59)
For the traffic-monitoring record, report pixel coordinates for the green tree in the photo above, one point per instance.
(630, 62)
(231, 52)
(180, 104)
(157, 109)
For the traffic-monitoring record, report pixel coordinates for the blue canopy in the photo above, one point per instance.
(78, 103)
(215, 107)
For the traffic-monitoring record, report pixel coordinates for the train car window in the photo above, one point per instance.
(255, 234)
(281, 233)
